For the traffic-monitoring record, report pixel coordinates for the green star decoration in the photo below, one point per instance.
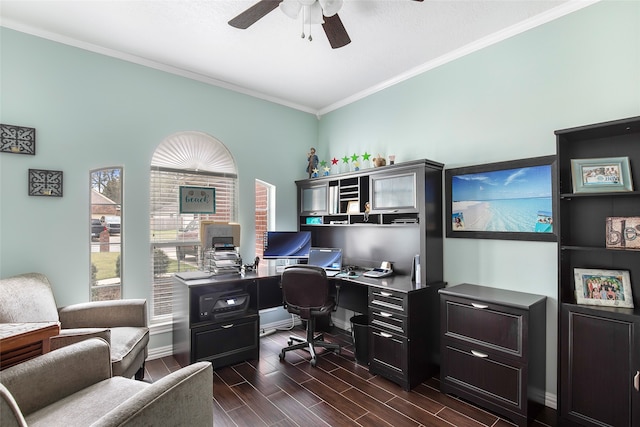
(354, 158)
(345, 159)
(366, 156)
(323, 163)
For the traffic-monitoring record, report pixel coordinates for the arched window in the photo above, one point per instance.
(192, 159)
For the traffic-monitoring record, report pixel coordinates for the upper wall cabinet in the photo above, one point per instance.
(314, 199)
(389, 193)
(393, 192)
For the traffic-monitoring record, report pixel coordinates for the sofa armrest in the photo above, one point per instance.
(72, 336)
(104, 314)
(43, 380)
(184, 397)
(10, 414)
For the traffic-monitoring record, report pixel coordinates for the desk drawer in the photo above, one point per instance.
(225, 343)
(387, 300)
(493, 326)
(388, 354)
(388, 320)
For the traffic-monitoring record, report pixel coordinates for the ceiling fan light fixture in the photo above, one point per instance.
(291, 8)
(330, 7)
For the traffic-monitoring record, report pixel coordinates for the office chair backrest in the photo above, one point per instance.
(305, 287)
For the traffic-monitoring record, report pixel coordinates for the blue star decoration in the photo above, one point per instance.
(326, 170)
(315, 173)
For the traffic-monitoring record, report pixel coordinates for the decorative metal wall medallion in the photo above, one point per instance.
(17, 139)
(45, 183)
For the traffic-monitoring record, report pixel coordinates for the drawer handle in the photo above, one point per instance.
(478, 354)
(385, 294)
(479, 305)
(385, 335)
(227, 326)
(383, 314)
(636, 381)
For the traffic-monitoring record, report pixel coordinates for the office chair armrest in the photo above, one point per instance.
(335, 307)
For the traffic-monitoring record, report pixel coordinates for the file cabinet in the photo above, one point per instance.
(493, 348)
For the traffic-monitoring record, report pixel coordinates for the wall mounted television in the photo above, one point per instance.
(286, 244)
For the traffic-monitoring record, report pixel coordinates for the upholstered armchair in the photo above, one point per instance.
(74, 386)
(121, 323)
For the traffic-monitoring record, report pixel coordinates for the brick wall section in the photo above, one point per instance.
(261, 216)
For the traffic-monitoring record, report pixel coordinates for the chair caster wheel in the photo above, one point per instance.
(313, 362)
(290, 342)
(281, 356)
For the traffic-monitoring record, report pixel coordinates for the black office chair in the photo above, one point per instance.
(305, 289)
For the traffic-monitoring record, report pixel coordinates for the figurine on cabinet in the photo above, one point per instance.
(367, 209)
(379, 161)
(312, 162)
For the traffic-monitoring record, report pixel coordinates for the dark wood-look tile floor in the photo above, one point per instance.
(337, 392)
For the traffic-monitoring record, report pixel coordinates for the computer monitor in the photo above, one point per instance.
(327, 258)
(286, 244)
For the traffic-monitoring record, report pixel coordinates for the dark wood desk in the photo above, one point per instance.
(404, 321)
(23, 341)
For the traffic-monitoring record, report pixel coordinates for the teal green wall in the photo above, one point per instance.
(92, 111)
(500, 103)
(504, 103)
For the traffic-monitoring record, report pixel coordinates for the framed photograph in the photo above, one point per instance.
(197, 200)
(601, 175)
(507, 200)
(611, 288)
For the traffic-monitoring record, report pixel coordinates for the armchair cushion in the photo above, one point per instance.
(73, 386)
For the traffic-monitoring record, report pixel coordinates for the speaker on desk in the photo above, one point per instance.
(415, 269)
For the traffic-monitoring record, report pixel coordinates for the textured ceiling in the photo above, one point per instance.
(391, 40)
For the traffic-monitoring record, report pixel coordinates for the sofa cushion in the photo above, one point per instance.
(88, 405)
(123, 340)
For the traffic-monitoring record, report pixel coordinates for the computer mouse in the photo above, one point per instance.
(351, 274)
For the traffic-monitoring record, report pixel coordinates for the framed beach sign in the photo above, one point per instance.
(507, 200)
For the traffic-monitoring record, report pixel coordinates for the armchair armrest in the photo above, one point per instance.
(72, 336)
(184, 397)
(104, 314)
(46, 379)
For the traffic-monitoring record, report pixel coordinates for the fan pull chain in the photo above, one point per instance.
(302, 35)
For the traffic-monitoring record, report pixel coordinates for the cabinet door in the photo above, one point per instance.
(388, 354)
(393, 192)
(596, 369)
(313, 199)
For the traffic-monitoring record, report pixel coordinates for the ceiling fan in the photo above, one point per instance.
(323, 12)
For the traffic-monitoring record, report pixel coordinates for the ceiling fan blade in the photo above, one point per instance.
(254, 13)
(335, 31)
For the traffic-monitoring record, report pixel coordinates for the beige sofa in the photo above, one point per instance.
(73, 386)
(122, 323)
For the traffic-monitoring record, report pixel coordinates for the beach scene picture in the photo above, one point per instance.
(510, 200)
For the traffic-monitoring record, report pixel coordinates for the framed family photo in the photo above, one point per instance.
(611, 288)
(507, 200)
(601, 175)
